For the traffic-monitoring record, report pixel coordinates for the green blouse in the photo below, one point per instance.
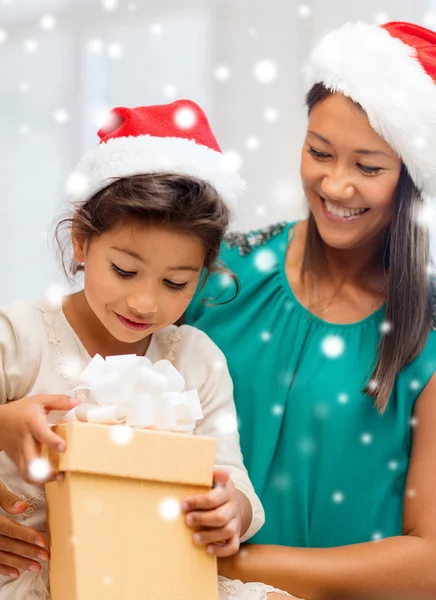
(329, 469)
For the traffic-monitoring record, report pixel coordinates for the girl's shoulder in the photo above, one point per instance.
(183, 343)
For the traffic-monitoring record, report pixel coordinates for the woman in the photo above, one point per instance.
(330, 342)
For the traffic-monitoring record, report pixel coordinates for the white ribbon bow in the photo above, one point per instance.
(130, 389)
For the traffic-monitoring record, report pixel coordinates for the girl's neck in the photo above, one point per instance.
(95, 338)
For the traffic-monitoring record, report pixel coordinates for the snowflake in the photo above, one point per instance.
(227, 423)
(156, 29)
(61, 116)
(47, 22)
(39, 469)
(415, 385)
(338, 497)
(218, 365)
(31, 46)
(277, 410)
(385, 327)
(380, 18)
(74, 540)
(376, 536)
(231, 160)
(366, 438)
(222, 72)
(413, 422)
(271, 114)
(321, 410)
(169, 91)
(24, 86)
(411, 493)
(185, 118)
(306, 446)
(372, 385)
(265, 260)
(115, 51)
(427, 213)
(265, 71)
(252, 143)
(23, 129)
(304, 10)
(265, 336)
(109, 4)
(429, 19)
(288, 305)
(3, 36)
(120, 434)
(393, 465)
(420, 142)
(107, 580)
(169, 509)
(285, 192)
(73, 367)
(252, 32)
(225, 280)
(96, 45)
(343, 398)
(55, 292)
(333, 346)
(132, 7)
(260, 210)
(77, 184)
(281, 481)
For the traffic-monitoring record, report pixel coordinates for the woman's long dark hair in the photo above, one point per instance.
(406, 258)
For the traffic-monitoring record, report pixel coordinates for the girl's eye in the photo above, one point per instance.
(317, 154)
(369, 170)
(176, 286)
(121, 272)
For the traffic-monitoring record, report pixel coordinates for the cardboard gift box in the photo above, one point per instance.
(115, 527)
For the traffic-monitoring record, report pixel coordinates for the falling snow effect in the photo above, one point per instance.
(24, 86)
(393, 465)
(222, 73)
(61, 116)
(338, 497)
(225, 280)
(185, 118)
(109, 4)
(333, 346)
(121, 434)
(376, 536)
(231, 160)
(385, 327)
(227, 423)
(55, 292)
(169, 509)
(343, 398)
(266, 336)
(77, 184)
(415, 385)
(277, 410)
(3, 36)
(265, 260)
(271, 114)
(252, 143)
(47, 22)
(380, 18)
(366, 439)
(39, 470)
(31, 46)
(95, 46)
(304, 10)
(169, 91)
(115, 51)
(265, 71)
(156, 29)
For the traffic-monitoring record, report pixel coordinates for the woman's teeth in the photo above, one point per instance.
(343, 212)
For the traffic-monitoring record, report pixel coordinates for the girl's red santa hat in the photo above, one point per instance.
(169, 138)
(390, 71)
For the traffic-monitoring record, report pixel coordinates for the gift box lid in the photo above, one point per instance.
(122, 451)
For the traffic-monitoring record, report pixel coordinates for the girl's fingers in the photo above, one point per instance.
(33, 468)
(217, 518)
(44, 434)
(223, 550)
(211, 536)
(213, 499)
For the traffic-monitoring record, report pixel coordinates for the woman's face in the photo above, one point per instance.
(349, 175)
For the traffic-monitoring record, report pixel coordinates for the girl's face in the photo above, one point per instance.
(139, 279)
(349, 175)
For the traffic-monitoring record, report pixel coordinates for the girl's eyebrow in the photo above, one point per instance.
(135, 255)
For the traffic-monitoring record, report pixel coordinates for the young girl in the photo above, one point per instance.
(152, 205)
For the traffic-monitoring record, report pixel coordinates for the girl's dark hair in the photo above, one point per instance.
(188, 204)
(406, 257)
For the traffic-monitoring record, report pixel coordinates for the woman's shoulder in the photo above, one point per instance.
(244, 243)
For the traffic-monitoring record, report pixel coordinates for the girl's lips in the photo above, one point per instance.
(133, 325)
(336, 218)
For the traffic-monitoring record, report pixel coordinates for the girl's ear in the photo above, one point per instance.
(79, 244)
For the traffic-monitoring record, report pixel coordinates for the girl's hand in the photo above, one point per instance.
(20, 547)
(24, 429)
(216, 516)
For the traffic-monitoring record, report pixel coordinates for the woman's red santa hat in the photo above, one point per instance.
(391, 72)
(169, 138)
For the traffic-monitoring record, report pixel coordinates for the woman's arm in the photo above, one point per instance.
(399, 568)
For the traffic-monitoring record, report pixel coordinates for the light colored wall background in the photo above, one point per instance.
(63, 63)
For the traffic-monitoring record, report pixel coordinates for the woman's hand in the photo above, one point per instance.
(24, 429)
(216, 516)
(20, 546)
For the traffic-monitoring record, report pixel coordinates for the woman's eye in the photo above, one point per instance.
(369, 170)
(176, 286)
(121, 272)
(317, 154)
